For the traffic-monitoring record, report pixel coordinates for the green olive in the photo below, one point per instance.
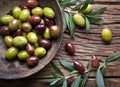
(16, 11)
(79, 20)
(46, 33)
(19, 41)
(88, 9)
(24, 15)
(48, 12)
(37, 11)
(11, 53)
(32, 37)
(40, 52)
(8, 40)
(6, 19)
(106, 35)
(23, 55)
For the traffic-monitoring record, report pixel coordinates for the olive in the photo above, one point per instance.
(18, 32)
(48, 12)
(79, 20)
(40, 28)
(19, 41)
(14, 24)
(54, 31)
(24, 15)
(32, 61)
(37, 11)
(11, 53)
(23, 55)
(34, 20)
(45, 43)
(40, 52)
(79, 67)
(46, 33)
(70, 81)
(48, 22)
(23, 6)
(26, 27)
(69, 47)
(32, 37)
(4, 30)
(16, 11)
(87, 10)
(30, 48)
(8, 40)
(32, 3)
(6, 19)
(106, 35)
(95, 62)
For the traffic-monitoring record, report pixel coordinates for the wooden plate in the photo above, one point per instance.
(15, 69)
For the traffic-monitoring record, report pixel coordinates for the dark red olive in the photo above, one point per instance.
(40, 28)
(70, 48)
(48, 22)
(45, 43)
(95, 62)
(54, 31)
(70, 81)
(5, 30)
(35, 20)
(26, 27)
(32, 3)
(23, 6)
(30, 48)
(18, 32)
(32, 61)
(79, 67)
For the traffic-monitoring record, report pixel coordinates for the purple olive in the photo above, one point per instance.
(79, 67)
(45, 43)
(48, 22)
(70, 81)
(23, 6)
(32, 3)
(26, 26)
(35, 20)
(70, 48)
(5, 30)
(30, 48)
(40, 28)
(18, 32)
(95, 62)
(32, 61)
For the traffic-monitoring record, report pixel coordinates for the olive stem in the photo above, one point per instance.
(69, 11)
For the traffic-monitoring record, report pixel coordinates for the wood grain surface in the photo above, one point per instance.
(85, 44)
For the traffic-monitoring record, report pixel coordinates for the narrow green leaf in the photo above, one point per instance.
(58, 82)
(66, 3)
(99, 79)
(87, 24)
(84, 80)
(55, 81)
(112, 58)
(49, 80)
(65, 83)
(66, 65)
(64, 21)
(77, 7)
(71, 26)
(98, 11)
(67, 17)
(76, 82)
(56, 68)
(94, 20)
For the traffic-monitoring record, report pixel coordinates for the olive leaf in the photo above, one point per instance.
(99, 79)
(112, 58)
(77, 7)
(76, 82)
(64, 20)
(66, 3)
(84, 80)
(49, 80)
(66, 65)
(65, 83)
(56, 68)
(94, 20)
(98, 11)
(87, 24)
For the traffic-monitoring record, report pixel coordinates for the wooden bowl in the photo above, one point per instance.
(16, 69)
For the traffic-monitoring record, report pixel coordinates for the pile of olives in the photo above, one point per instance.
(28, 31)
